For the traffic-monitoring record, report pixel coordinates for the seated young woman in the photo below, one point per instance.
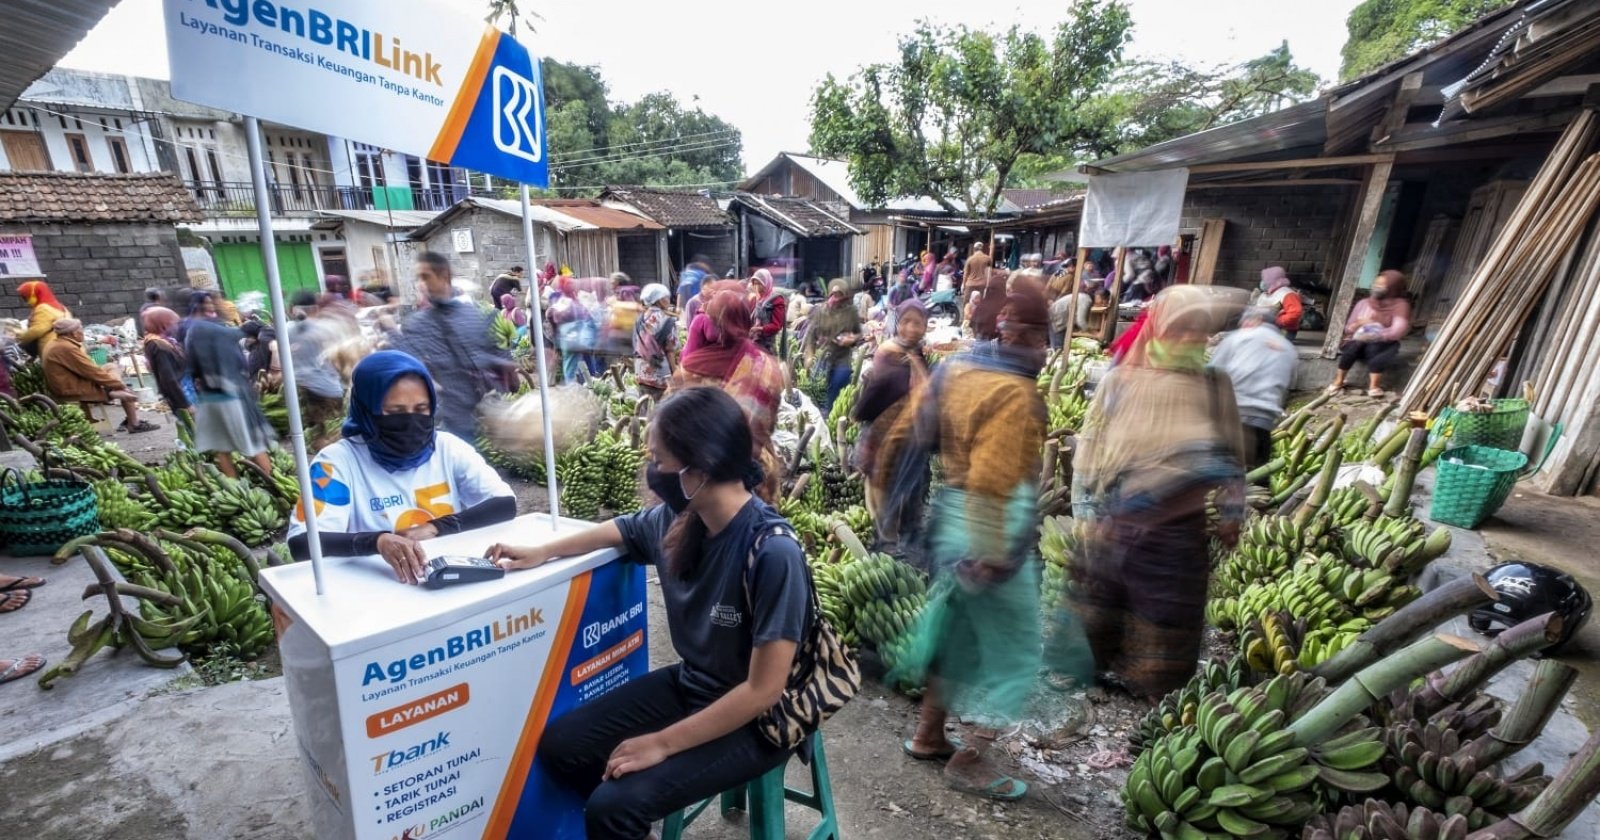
(738, 604)
(394, 480)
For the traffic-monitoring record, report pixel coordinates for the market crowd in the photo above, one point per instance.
(945, 353)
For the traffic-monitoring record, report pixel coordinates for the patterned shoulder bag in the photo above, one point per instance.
(822, 679)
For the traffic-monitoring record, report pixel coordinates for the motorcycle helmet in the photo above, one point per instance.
(1528, 590)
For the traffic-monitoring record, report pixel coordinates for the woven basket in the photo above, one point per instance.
(1499, 429)
(1473, 482)
(38, 517)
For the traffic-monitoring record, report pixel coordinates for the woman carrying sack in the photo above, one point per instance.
(743, 616)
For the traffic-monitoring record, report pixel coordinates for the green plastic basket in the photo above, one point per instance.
(1499, 429)
(1473, 482)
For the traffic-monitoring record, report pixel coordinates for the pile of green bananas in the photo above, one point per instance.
(1375, 820)
(840, 488)
(1179, 707)
(809, 525)
(874, 599)
(1346, 506)
(118, 509)
(581, 477)
(1398, 544)
(1279, 643)
(277, 412)
(1433, 766)
(1323, 590)
(28, 379)
(836, 608)
(1059, 538)
(1241, 770)
(623, 466)
(249, 513)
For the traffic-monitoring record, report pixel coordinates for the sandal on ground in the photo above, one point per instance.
(1333, 390)
(1376, 393)
(941, 756)
(10, 582)
(144, 426)
(1002, 789)
(15, 600)
(20, 668)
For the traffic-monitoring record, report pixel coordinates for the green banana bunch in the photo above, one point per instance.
(1431, 769)
(118, 509)
(582, 478)
(809, 526)
(1346, 505)
(1271, 642)
(28, 380)
(1177, 709)
(1323, 643)
(186, 508)
(1397, 544)
(1374, 820)
(623, 466)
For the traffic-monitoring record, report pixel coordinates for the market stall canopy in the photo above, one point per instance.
(564, 215)
(391, 219)
(36, 34)
(61, 197)
(803, 217)
(674, 209)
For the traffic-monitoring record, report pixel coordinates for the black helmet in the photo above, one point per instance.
(1528, 590)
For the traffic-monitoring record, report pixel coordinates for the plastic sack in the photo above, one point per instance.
(787, 435)
(515, 425)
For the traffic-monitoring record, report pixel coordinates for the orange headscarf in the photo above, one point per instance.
(36, 292)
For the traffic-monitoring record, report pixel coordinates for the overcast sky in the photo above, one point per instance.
(755, 64)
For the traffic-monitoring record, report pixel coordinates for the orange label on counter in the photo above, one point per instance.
(417, 711)
(605, 660)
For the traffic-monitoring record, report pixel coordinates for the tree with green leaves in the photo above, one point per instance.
(952, 118)
(1382, 31)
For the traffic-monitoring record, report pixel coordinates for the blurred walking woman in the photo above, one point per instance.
(45, 312)
(1162, 433)
(738, 605)
(899, 370)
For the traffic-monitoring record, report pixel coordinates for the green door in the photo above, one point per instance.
(239, 268)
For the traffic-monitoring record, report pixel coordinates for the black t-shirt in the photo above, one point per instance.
(715, 622)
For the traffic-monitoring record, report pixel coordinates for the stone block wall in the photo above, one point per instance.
(99, 270)
(496, 246)
(1295, 227)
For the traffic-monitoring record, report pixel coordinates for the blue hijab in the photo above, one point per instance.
(369, 384)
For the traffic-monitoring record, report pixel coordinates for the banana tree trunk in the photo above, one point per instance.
(1526, 638)
(1391, 445)
(1394, 671)
(1523, 723)
(1569, 793)
(1407, 623)
(1330, 471)
(1405, 478)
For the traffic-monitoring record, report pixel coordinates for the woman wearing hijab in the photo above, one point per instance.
(929, 270)
(721, 355)
(42, 321)
(833, 331)
(394, 479)
(202, 307)
(899, 370)
(984, 312)
(514, 313)
(1373, 332)
(227, 417)
(1162, 434)
(1283, 301)
(771, 311)
(166, 360)
(655, 342)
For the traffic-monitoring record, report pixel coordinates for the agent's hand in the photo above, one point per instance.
(634, 755)
(513, 557)
(425, 531)
(405, 556)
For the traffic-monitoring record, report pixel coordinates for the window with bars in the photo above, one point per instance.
(78, 147)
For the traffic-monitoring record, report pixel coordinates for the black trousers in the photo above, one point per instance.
(1379, 356)
(1257, 445)
(577, 746)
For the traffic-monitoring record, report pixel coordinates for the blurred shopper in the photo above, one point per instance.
(831, 337)
(153, 297)
(690, 279)
(771, 312)
(1144, 284)
(507, 283)
(71, 376)
(320, 389)
(1162, 434)
(513, 312)
(1373, 332)
(738, 609)
(45, 312)
(983, 308)
(1260, 362)
(202, 306)
(655, 342)
(453, 338)
(721, 355)
(978, 643)
(227, 418)
(166, 360)
(978, 263)
(1281, 300)
(899, 371)
(260, 351)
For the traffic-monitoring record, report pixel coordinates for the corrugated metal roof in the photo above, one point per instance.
(36, 34)
(565, 215)
(1552, 36)
(394, 220)
(800, 215)
(1275, 136)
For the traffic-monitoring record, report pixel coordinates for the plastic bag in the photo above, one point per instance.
(516, 424)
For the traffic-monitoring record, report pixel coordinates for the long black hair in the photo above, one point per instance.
(706, 430)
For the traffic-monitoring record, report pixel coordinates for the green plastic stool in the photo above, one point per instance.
(763, 799)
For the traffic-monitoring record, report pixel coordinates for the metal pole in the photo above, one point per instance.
(537, 303)
(291, 397)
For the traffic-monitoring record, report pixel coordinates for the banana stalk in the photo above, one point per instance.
(1567, 795)
(849, 540)
(1391, 445)
(1358, 693)
(201, 537)
(1407, 623)
(1525, 720)
(1330, 471)
(1520, 641)
(1292, 426)
(1265, 470)
(1406, 475)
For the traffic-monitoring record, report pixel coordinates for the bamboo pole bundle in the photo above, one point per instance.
(1567, 336)
(1552, 214)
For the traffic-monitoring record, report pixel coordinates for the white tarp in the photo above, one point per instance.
(1133, 208)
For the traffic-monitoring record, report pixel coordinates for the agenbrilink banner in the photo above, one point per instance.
(421, 77)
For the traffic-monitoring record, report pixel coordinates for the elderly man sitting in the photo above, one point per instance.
(71, 375)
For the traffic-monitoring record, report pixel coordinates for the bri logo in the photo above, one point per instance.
(384, 762)
(515, 100)
(593, 633)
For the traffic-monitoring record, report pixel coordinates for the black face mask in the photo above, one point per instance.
(403, 435)
(668, 487)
